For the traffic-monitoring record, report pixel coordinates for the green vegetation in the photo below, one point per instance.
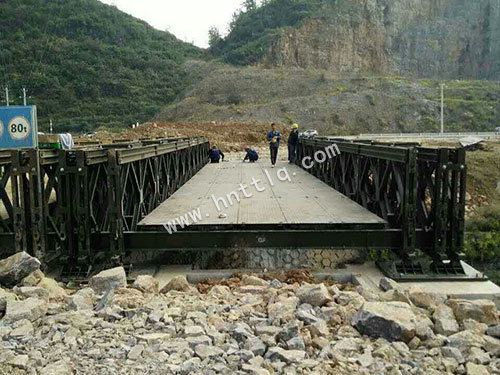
(333, 104)
(86, 64)
(253, 25)
(469, 105)
(482, 245)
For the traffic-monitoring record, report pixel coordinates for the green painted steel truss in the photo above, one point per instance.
(83, 206)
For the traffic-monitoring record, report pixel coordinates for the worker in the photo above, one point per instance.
(215, 155)
(274, 137)
(252, 156)
(293, 141)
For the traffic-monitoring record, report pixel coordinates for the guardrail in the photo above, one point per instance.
(53, 201)
(418, 191)
(486, 135)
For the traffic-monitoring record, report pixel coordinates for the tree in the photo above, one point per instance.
(214, 38)
(249, 5)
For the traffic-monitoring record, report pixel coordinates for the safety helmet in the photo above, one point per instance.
(295, 126)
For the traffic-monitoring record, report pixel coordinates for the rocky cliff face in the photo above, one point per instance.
(419, 38)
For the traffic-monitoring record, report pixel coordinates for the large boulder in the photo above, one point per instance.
(288, 356)
(421, 299)
(387, 284)
(494, 331)
(207, 351)
(473, 369)
(146, 284)
(4, 297)
(32, 291)
(30, 309)
(315, 295)
(253, 280)
(22, 328)
(444, 321)
(57, 368)
(394, 321)
(56, 292)
(395, 295)
(81, 300)
(483, 311)
(33, 278)
(179, 284)
(111, 278)
(16, 267)
(284, 308)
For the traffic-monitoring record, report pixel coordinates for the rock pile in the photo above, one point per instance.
(258, 327)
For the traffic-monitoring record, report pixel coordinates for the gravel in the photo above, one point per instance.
(246, 328)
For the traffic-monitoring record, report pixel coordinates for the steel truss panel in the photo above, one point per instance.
(66, 204)
(58, 199)
(413, 188)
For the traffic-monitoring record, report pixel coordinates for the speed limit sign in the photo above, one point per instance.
(18, 127)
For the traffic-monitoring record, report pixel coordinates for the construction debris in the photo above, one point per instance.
(472, 143)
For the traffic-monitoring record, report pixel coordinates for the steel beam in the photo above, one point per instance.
(278, 238)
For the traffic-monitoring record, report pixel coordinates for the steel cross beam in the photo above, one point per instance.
(272, 238)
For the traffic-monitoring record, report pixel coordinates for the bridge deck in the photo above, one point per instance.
(304, 200)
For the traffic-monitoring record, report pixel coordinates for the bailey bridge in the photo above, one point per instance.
(115, 203)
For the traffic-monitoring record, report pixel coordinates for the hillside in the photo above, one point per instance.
(451, 39)
(86, 64)
(332, 103)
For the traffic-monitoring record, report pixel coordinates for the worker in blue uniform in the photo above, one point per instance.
(251, 155)
(273, 137)
(215, 155)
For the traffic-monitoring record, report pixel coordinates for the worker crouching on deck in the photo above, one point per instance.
(252, 156)
(293, 141)
(215, 155)
(274, 138)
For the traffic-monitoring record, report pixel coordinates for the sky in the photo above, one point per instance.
(188, 20)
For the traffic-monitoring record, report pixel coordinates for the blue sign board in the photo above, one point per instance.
(18, 127)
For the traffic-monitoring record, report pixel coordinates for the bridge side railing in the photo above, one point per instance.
(419, 191)
(6, 207)
(441, 200)
(380, 178)
(53, 201)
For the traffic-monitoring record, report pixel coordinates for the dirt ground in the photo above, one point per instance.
(228, 137)
(288, 277)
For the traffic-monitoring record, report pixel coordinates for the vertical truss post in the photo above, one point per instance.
(115, 193)
(456, 207)
(411, 182)
(20, 205)
(460, 219)
(440, 202)
(65, 201)
(51, 211)
(5, 176)
(36, 205)
(81, 207)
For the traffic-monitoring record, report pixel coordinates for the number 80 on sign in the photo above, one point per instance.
(19, 128)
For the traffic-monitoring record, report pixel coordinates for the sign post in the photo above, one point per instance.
(18, 127)
(19, 134)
